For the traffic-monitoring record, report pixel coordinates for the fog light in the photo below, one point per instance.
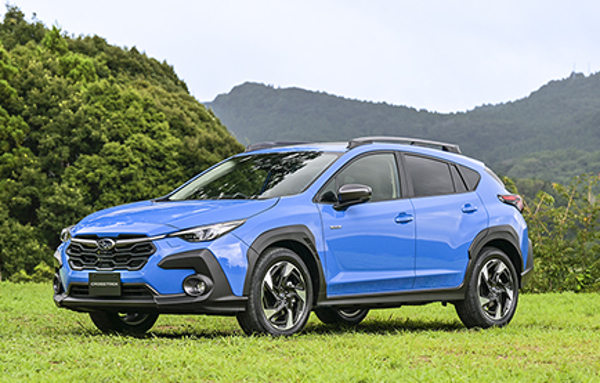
(197, 285)
(57, 284)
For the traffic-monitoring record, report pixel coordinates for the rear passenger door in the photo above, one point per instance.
(448, 216)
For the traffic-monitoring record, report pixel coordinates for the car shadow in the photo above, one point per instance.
(386, 327)
(369, 326)
(374, 327)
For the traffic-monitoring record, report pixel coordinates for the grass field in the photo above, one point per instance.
(553, 338)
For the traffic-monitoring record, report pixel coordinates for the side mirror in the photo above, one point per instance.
(352, 194)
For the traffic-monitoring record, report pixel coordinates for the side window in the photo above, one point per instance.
(472, 177)
(459, 183)
(429, 177)
(329, 192)
(378, 171)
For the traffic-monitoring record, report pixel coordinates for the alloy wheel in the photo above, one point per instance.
(283, 295)
(496, 288)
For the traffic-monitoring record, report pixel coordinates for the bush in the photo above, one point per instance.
(42, 273)
(566, 236)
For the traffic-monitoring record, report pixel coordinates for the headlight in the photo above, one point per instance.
(208, 232)
(65, 233)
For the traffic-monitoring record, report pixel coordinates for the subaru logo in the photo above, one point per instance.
(105, 244)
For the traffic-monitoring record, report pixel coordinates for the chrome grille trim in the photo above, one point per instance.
(118, 242)
(127, 254)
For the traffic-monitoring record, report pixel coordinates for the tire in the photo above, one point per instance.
(492, 291)
(281, 295)
(123, 323)
(341, 316)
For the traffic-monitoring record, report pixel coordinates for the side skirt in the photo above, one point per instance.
(396, 299)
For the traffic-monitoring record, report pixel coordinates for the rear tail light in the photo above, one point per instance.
(512, 199)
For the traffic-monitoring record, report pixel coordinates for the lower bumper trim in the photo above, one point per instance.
(176, 304)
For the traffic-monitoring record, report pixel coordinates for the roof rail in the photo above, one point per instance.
(272, 144)
(409, 141)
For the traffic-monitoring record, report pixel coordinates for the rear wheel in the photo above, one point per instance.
(280, 297)
(125, 323)
(351, 316)
(492, 292)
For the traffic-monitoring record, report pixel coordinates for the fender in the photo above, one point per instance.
(503, 233)
(286, 236)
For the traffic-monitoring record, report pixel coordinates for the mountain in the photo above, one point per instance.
(524, 138)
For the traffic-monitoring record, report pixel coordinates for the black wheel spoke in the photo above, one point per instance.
(283, 295)
(280, 298)
(270, 313)
(496, 287)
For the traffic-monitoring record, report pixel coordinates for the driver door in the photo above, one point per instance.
(370, 247)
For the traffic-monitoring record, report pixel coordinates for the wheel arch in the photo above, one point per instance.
(297, 238)
(504, 238)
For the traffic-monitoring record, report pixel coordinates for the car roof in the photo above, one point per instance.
(447, 151)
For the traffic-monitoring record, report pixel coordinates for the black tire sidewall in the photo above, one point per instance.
(353, 319)
(480, 317)
(263, 265)
(111, 322)
(334, 316)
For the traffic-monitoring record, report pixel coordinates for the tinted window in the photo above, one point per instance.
(429, 177)
(258, 176)
(378, 171)
(472, 177)
(459, 183)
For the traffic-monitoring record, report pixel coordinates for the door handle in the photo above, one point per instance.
(468, 208)
(404, 218)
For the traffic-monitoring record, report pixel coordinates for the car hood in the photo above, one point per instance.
(157, 218)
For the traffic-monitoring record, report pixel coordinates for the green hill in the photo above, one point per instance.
(85, 125)
(525, 138)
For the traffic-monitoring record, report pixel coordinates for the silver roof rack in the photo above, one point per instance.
(272, 144)
(403, 140)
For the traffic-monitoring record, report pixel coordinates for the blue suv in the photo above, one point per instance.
(283, 229)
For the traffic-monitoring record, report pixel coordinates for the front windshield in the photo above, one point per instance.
(258, 176)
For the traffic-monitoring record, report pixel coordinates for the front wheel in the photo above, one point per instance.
(492, 291)
(124, 323)
(350, 316)
(280, 297)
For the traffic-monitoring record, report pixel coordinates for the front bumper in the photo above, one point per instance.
(169, 304)
(139, 297)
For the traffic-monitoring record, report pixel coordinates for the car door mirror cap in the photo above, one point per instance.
(352, 194)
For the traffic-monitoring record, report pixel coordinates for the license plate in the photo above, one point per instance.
(105, 284)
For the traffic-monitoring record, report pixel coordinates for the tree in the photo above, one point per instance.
(85, 125)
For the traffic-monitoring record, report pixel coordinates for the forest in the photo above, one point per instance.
(85, 125)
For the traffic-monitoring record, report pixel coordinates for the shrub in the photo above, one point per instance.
(566, 236)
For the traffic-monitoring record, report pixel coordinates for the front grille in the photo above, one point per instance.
(132, 291)
(127, 254)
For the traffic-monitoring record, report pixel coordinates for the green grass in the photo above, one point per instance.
(553, 338)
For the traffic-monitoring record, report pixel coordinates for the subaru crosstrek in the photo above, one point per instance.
(281, 230)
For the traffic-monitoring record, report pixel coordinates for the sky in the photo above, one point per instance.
(445, 56)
